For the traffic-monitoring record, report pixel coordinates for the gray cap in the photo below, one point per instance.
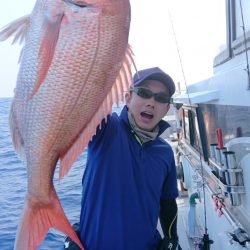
(154, 74)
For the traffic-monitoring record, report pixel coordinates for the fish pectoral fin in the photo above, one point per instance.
(37, 219)
(17, 28)
(17, 139)
(51, 28)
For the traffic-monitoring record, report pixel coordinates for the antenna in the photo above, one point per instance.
(245, 43)
(205, 241)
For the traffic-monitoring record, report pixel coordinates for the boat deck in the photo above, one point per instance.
(183, 206)
(186, 242)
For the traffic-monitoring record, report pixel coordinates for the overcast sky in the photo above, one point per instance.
(199, 28)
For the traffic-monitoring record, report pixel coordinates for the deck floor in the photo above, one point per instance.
(185, 242)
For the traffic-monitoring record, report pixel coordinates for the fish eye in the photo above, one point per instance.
(78, 3)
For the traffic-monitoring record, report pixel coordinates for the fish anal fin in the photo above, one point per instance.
(17, 29)
(47, 48)
(122, 83)
(37, 219)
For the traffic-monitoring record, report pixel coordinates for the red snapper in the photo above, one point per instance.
(74, 65)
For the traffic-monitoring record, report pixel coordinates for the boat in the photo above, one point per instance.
(213, 145)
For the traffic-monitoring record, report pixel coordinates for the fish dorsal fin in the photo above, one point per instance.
(116, 94)
(47, 48)
(17, 28)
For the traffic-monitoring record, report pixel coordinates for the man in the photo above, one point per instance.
(130, 177)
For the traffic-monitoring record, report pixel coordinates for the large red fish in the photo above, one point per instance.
(74, 65)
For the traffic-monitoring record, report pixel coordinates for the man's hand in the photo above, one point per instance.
(169, 244)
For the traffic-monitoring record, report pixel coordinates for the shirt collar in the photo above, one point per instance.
(163, 125)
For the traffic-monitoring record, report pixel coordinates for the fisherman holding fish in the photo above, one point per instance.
(130, 178)
(74, 65)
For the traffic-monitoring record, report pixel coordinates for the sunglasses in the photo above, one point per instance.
(147, 94)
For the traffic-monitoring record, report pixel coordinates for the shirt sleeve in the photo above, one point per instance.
(168, 218)
(170, 189)
(105, 129)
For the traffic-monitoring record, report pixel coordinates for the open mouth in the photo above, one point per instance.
(147, 115)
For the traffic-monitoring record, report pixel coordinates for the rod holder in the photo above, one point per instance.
(235, 199)
(228, 176)
(229, 159)
(233, 176)
(220, 163)
(213, 147)
(217, 156)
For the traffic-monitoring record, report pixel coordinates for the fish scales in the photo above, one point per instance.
(72, 58)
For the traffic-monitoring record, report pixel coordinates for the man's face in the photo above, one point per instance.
(147, 112)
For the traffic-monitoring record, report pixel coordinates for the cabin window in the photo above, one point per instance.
(193, 128)
(220, 26)
(238, 18)
(186, 127)
(234, 31)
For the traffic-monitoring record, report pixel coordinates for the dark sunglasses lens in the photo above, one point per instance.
(144, 93)
(162, 98)
(147, 94)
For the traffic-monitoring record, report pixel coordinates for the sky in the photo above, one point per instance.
(159, 29)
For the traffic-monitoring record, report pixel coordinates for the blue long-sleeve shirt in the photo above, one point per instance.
(122, 187)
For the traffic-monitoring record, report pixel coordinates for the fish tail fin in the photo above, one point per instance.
(37, 219)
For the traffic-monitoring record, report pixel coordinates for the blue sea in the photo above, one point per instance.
(13, 183)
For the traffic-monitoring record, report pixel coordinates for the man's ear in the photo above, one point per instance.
(127, 97)
(168, 107)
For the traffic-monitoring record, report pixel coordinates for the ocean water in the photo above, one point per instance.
(13, 183)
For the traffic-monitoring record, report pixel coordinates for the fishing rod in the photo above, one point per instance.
(245, 44)
(205, 241)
